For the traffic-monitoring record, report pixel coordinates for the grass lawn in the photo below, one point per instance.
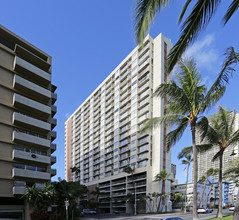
(229, 217)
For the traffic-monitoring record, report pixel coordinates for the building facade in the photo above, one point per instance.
(102, 135)
(202, 199)
(27, 108)
(214, 194)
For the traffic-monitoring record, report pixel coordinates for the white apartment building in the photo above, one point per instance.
(205, 158)
(203, 199)
(102, 135)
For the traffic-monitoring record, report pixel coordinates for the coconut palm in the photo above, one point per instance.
(220, 133)
(198, 18)
(131, 170)
(40, 198)
(162, 176)
(187, 100)
(187, 161)
(233, 173)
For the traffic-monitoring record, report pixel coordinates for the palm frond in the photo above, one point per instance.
(185, 151)
(223, 78)
(174, 93)
(202, 127)
(210, 101)
(157, 121)
(197, 20)
(145, 12)
(183, 11)
(234, 138)
(173, 136)
(231, 10)
(218, 154)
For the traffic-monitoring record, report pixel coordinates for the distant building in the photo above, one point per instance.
(202, 199)
(103, 134)
(173, 170)
(233, 190)
(27, 109)
(205, 157)
(214, 194)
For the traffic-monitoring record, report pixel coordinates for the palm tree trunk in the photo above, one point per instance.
(236, 212)
(185, 208)
(195, 170)
(219, 212)
(204, 187)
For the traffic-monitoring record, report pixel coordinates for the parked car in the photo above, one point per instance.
(89, 211)
(232, 208)
(202, 211)
(209, 210)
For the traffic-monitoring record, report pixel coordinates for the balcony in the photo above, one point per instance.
(53, 123)
(53, 172)
(53, 110)
(31, 71)
(53, 160)
(31, 123)
(53, 147)
(147, 69)
(24, 138)
(19, 190)
(53, 135)
(26, 156)
(28, 87)
(30, 105)
(54, 96)
(36, 58)
(17, 172)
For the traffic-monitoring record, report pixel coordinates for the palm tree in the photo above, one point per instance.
(220, 133)
(187, 161)
(199, 17)
(233, 173)
(130, 170)
(187, 101)
(39, 198)
(163, 176)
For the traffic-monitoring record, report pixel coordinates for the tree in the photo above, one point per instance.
(221, 134)
(162, 177)
(130, 170)
(233, 173)
(70, 191)
(96, 193)
(188, 99)
(198, 18)
(39, 198)
(187, 161)
(176, 197)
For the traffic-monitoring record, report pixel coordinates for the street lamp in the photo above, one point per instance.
(66, 204)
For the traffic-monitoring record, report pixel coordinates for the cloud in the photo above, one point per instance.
(205, 53)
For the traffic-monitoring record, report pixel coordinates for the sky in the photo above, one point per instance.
(88, 39)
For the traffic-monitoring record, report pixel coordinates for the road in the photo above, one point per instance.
(188, 216)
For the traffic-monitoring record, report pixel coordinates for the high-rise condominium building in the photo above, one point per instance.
(27, 108)
(205, 158)
(102, 135)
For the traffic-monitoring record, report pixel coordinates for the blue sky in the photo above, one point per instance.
(88, 39)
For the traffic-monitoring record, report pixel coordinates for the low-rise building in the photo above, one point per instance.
(202, 199)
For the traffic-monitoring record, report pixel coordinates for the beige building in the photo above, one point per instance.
(102, 135)
(27, 109)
